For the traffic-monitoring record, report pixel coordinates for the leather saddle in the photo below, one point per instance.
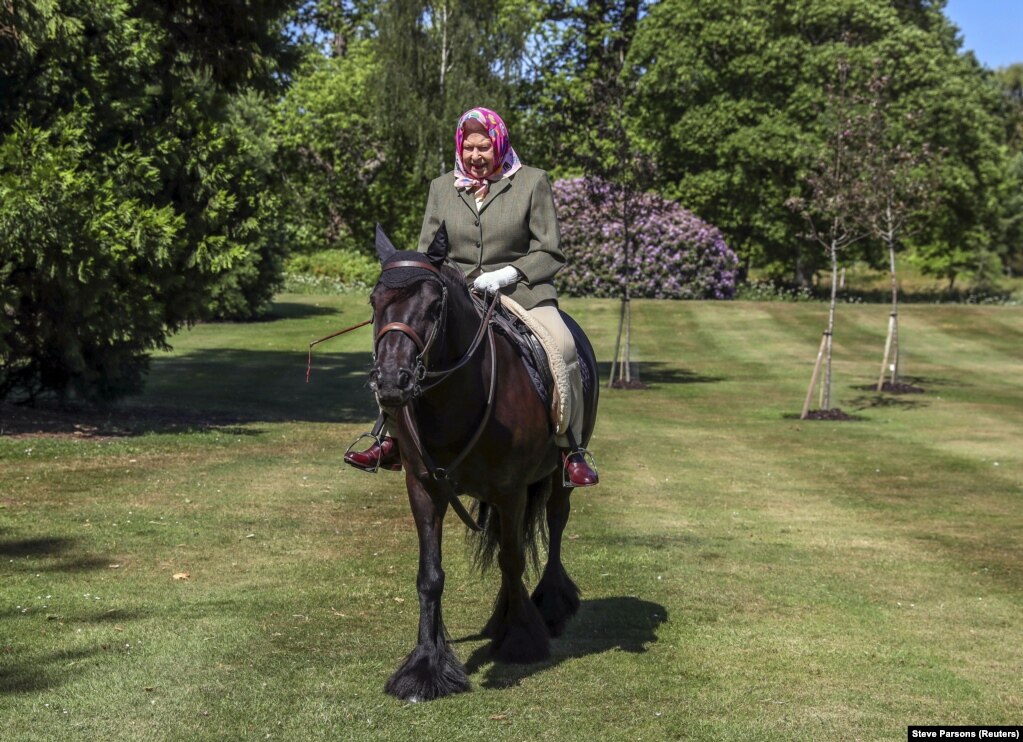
(526, 344)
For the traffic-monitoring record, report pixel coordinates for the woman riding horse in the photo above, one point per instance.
(503, 233)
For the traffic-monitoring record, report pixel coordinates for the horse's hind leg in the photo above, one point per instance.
(516, 628)
(556, 595)
(431, 670)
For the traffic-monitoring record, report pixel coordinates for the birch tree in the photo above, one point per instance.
(900, 184)
(585, 89)
(835, 205)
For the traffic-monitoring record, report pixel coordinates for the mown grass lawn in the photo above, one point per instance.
(745, 574)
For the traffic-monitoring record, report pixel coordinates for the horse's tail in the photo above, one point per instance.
(483, 544)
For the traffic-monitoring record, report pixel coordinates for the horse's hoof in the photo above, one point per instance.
(522, 648)
(522, 643)
(557, 599)
(428, 673)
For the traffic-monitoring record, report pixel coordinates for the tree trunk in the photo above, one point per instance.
(620, 370)
(826, 388)
(891, 350)
(628, 338)
(627, 236)
(887, 352)
(622, 364)
(813, 378)
(443, 17)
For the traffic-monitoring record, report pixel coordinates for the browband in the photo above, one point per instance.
(411, 264)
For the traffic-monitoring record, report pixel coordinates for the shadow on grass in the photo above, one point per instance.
(834, 415)
(266, 386)
(112, 615)
(230, 390)
(626, 624)
(35, 547)
(33, 672)
(655, 372)
(920, 295)
(49, 555)
(38, 672)
(878, 401)
(281, 310)
(299, 310)
(216, 389)
(927, 382)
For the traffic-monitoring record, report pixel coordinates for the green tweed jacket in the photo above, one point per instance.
(516, 225)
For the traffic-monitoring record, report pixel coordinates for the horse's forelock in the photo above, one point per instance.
(406, 275)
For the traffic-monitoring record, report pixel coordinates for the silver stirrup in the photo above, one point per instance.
(378, 439)
(587, 457)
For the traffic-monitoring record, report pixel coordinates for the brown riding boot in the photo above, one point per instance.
(578, 471)
(378, 456)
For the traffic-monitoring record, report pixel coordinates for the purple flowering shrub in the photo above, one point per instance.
(675, 255)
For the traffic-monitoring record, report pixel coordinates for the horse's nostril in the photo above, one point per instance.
(404, 379)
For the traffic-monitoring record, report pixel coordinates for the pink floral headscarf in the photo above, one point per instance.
(504, 155)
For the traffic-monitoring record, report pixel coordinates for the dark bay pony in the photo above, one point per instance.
(468, 421)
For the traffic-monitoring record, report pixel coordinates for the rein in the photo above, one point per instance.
(439, 472)
(393, 326)
(436, 377)
(421, 372)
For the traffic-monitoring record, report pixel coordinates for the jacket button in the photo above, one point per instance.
(478, 245)
(476, 223)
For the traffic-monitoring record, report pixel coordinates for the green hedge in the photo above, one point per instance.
(353, 269)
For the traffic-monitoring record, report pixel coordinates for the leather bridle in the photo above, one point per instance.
(424, 379)
(421, 372)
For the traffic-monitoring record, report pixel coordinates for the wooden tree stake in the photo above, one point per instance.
(618, 347)
(813, 379)
(887, 352)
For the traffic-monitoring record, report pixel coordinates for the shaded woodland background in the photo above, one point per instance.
(162, 164)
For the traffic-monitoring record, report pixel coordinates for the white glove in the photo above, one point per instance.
(497, 279)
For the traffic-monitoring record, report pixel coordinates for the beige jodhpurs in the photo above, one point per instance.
(546, 313)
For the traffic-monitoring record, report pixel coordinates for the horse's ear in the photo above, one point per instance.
(384, 247)
(438, 250)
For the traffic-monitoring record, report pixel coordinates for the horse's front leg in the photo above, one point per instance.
(516, 628)
(431, 670)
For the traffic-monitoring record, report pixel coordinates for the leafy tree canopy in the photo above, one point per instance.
(128, 182)
(729, 100)
(159, 160)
